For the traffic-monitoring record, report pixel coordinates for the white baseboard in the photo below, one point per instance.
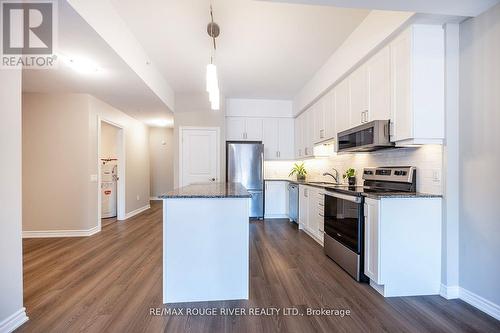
(276, 216)
(480, 303)
(14, 321)
(155, 199)
(137, 211)
(449, 292)
(60, 233)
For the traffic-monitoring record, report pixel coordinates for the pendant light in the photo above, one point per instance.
(213, 31)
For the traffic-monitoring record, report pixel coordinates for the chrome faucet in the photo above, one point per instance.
(336, 177)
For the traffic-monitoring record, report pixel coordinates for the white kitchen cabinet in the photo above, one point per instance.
(254, 129)
(417, 70)
(276, 199)
(298, 137)
(243, 129)
(319, 131)
(379, 85)
(311, 206)
(270, 139)
(309, 141)
(235, 128)
(359, 97)
(278, 138)
(402, 246)
(372, 236)
(329, 115)
(303, 206)
(342, 106)
(286, 138)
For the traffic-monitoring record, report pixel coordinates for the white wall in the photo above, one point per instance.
(55, 162)
(259, 107)
(376, 28)
(60, 155)
(161, 152)
(11, 262)
(480, 155)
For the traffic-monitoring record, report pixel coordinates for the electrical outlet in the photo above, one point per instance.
(436, 176)
(138, 197)
(93, 178)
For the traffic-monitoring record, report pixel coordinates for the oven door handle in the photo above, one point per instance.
(344, 197)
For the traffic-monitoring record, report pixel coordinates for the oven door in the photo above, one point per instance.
(344, 219)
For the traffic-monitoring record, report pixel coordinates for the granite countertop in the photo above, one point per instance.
(208, 190)
(367, 194)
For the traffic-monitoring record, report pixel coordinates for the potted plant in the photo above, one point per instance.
(350, 175)
(299, 170)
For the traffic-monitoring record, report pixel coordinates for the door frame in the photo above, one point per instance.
(188, 128)
(120, 184)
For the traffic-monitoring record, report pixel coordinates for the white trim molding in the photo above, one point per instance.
(480, 303)
(61, 233)
(9, 324)
(137, 211)
(154, 199)
(449, 292)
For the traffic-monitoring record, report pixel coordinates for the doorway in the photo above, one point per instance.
(110, 173)
(199, 155)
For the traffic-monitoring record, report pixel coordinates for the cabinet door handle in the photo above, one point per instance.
(321, 134)
(279, 153)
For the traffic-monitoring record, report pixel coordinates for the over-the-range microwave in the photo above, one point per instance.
(370, 136)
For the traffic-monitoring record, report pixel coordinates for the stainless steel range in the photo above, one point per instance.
(344, 215)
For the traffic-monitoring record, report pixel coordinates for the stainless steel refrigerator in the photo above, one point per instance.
(244, 164)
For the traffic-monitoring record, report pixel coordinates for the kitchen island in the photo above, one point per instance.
(206, 243)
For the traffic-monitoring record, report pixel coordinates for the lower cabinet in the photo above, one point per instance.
(372, 236)
(402, 247)
(311, 206)
(276, 199)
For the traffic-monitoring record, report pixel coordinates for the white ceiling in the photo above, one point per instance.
(115, 84)
(265, 50)
(443, 7)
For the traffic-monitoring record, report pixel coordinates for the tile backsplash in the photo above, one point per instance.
(427, 159)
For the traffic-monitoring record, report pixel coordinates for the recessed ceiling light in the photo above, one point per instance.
(160, 122)
(80, 64)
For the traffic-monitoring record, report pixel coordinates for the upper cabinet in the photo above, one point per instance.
(417, 73)
(278, 138)
(403, 82)
(342, 106)
(277, 134)
(243, 129)
(379, 85)
(359, 96)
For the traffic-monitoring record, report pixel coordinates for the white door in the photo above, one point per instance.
(200, 155)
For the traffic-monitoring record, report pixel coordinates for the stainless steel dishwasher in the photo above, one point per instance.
(293, 200)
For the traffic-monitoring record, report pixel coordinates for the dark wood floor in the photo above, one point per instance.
(108, 283)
